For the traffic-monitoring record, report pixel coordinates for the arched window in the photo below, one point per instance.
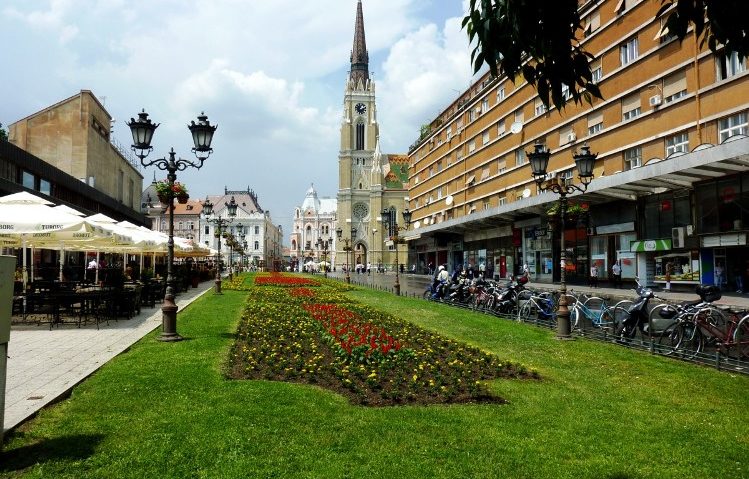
(360, 136)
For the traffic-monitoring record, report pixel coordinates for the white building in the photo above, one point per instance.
(315, 219)
(264, 239)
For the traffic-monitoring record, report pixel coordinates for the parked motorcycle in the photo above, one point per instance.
(506, 299)
(637, 314)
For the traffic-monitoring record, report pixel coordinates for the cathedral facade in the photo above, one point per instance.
(368, 180)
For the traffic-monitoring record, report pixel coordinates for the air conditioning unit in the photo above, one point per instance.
(655, 100)
(677, 237)
(571, 137)
(690, 230)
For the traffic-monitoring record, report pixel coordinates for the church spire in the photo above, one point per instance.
(359, 54)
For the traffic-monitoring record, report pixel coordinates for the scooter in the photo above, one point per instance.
(435, 291)
(637, 315)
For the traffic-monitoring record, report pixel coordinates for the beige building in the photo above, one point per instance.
(670, 135)
(314, 222)
(74, 136)
(369, 181)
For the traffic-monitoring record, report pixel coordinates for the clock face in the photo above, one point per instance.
(360, 108)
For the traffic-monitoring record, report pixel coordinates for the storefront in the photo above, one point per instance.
(611, 244)
(725, 261)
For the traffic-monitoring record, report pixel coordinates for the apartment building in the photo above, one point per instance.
(671, 181)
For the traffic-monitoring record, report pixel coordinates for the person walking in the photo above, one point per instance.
(593, 283)
(616, 272)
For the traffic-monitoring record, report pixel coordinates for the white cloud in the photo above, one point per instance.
(422, 73)
(52, 19)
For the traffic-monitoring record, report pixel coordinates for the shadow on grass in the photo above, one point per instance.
(76, 447)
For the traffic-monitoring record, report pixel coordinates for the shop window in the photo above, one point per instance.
(45, 187)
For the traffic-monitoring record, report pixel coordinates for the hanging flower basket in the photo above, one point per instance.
(177, 190)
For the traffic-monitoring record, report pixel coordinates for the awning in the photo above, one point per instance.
(650, 245)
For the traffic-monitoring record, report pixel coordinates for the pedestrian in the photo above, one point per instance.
(593, 283)
(669, 270)
(526, 272)
(739, 280)
(616, 272)
(719, 275)
(369, 267)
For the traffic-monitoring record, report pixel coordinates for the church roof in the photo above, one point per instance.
(359, 54)
(319, 206)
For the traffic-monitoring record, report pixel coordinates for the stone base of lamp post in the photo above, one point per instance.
(217, 288)
(169, 321)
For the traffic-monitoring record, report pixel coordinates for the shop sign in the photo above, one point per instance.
(541, 232)
(737, 239)
(650, 245)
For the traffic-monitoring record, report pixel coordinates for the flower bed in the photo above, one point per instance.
(282, 280)
(371, 357)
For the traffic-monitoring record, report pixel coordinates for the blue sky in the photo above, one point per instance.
(271, 73)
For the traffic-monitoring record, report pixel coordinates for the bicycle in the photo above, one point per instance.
(702, 326)
(595, 310)
(539, 306)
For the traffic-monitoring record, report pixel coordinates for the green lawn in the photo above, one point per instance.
(600, 411)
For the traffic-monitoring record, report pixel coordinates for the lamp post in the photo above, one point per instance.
(389, 221)
(539, 160)
(347, 243)
(220, 224)
(323, 245)
(374, 232)
(142, 130)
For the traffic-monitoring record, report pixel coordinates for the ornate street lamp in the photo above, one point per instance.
(220, 224)
(585, 161)
(142, 130)
(323, 245)
(347, 247)
(390, 221)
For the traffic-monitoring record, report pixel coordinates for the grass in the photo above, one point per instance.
(601, 411)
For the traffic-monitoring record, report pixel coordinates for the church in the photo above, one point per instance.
(369, 181)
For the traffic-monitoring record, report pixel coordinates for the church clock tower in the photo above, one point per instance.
(362, 182)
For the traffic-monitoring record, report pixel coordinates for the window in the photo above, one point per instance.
(501, 166)
(484, 173)
(620, 7)
(257, 230)
(459, 154)
(663, 35)
(190, 225)
(431, 171)
(471, 115)
(359, 137)
(485, 137)
(459, 125)
(631, 107)
(439, 193)
(439, 166)
(595, 123)
(592, 23)
(449, 132)
(471, 146)
(519, 116)
(519, 156)
(500, 94)
(566, 135)
(502, 200)
(487, 204)
(484, 106)
(675, 86)
(596, 71)
(179, 225)
(500, 128)
(45, 187)
(729, 65)
(257, 245)
(416, 180)
(540, 108)
(677, 144)
(628, 51)
(632, 158)
(28, 180)
(566, 93)
(733, 125)
(206, 230)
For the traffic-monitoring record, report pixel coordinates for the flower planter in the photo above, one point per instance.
(163, 199)
(182, 199)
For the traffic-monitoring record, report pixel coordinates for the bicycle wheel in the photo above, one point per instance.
(525, 313)
(427, 295)
(741, 338)
(658, 322)
(689, 339)
(619, 314)
(472, 302)
(668, 340)
(595, 307)
(624, 304)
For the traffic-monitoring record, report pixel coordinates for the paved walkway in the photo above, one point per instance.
(45, 365)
